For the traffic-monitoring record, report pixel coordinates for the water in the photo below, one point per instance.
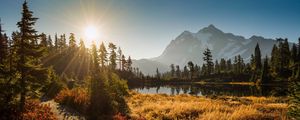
(211, 89)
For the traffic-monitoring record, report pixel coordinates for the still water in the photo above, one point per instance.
(211, 89)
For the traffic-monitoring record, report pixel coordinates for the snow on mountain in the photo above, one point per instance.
(189, 46)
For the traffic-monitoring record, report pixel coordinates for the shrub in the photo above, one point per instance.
(76, 98)
(35, 111)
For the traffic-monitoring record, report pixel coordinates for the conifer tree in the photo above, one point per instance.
(123, 63)
(208, 59)
(3, 46)
(185, 72)
(95, 58)
(128, 64)
(103, 55)
(82, 46)
(113, 56)
(28, 53)
(120, 57)
(72, 41)
(56, 42)
(172, 66)
(265, 76)
(157, 74)
(50, 42)
(178, 71)
(43, 42)
(257, 58)
(294, 53)
(191, 67)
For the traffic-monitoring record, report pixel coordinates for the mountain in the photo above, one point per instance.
(189, 46)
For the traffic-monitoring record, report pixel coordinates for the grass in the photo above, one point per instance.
(183, 107)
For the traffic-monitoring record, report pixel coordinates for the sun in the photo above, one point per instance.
(91, 32)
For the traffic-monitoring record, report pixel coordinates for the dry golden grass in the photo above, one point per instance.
(187, 107)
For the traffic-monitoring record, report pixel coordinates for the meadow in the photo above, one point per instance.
(187, 107)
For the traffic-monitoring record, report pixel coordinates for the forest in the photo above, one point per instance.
(37, 70)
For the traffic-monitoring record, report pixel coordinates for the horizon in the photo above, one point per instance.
(141, 24)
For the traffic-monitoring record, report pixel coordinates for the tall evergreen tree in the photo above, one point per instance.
(56, 42)
(120, 57)
(72, 41)
(128, 64)
(95, 58)
(294, 53)
(29, 53)
(50, 42)
(265, 76)
(191, 67)
(113, 56)
(172, 66)
(178, 71)
(185, 72)
(208, 59)
(103, 54)
(124, 62)
(3, 46)
(257, 58)
(157, 74)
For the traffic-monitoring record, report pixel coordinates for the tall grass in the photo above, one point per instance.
(182, 107)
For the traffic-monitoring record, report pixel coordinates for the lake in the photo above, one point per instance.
(212, 89)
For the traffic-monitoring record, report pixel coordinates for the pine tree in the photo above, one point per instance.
(217, 67)
(128, 64)
(103, 54)
(157, 74)
(72, 41)
(275, 60)
(43, 42)
(185, 72)
(192, 70)
(113, 56)
(172, 66)
(50, 42)
(265, 76)
(56, 42)
(229, 65)
(208, 59)
(124, 63)
(3, 46)
(294, 53)
(95, 58)
(257, 58)
(120, 57)
(178, 71)
(29, 53)
(82, 46)
(223, 64)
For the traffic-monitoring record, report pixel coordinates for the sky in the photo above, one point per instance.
(143, 28)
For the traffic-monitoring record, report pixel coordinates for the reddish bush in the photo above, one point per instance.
(77, 99)
(35, 111)
(119, 116)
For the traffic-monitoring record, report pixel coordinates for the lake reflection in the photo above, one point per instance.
(205, 90)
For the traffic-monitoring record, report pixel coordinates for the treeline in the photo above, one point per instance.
(282, 65)
(35, 66)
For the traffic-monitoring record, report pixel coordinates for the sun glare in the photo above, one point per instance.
(91, 32)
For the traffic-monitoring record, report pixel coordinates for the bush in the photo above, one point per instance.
(76, 98)
(54, 85)
(35, 111)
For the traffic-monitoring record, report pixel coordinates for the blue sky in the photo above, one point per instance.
(143, 28)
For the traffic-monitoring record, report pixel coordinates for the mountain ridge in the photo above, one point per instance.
(189, 46)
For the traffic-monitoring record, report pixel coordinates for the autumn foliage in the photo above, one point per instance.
(76, 98)
(34, 110)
